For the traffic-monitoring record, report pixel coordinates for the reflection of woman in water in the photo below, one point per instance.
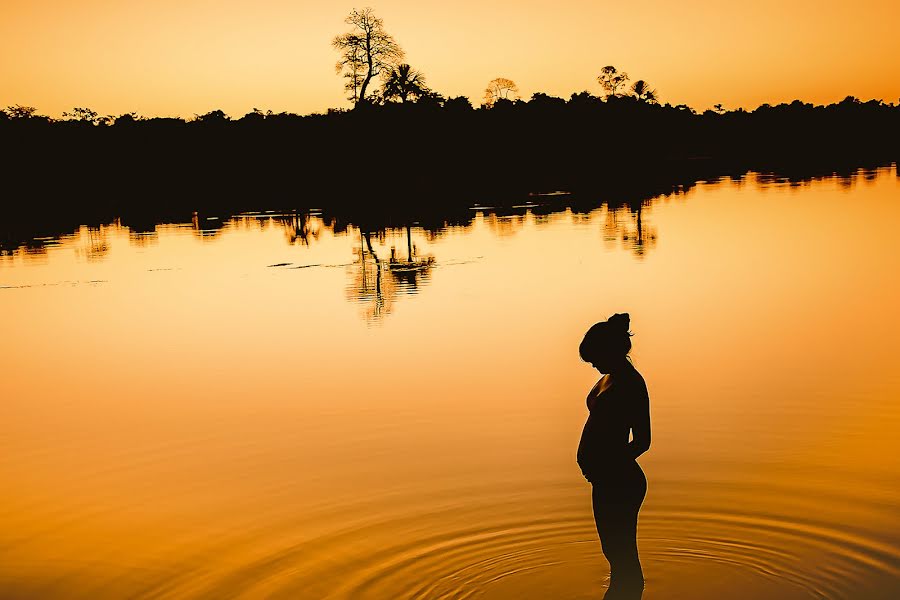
(618, 404)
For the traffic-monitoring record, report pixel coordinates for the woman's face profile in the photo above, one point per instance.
(601, 359)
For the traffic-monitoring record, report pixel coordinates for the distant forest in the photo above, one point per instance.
(406, 150)
(423, 152)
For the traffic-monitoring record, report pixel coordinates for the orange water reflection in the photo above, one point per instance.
(181, 419)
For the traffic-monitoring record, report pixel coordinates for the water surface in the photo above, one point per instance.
(254, 407)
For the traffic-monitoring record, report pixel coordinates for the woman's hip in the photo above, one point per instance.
(625, 483)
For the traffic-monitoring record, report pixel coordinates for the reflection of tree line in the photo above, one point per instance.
(625, 217)
(624, 222)
(89, 242)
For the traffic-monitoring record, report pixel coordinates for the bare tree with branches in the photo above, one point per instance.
(366, 52)
(353, 64)
(498, 88)
(611, 80)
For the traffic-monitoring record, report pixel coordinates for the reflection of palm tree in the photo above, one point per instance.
(402, 82)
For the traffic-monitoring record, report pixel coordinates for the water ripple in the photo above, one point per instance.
(465, 551)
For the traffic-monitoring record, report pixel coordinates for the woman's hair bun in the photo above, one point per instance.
(620, 321)
(611, 335)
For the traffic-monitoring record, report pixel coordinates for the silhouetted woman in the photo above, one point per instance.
(618, 405)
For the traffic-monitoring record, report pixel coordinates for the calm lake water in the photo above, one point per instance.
(253, 408)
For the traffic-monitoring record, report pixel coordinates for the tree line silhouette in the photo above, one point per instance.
(405, 148)
(426, 149)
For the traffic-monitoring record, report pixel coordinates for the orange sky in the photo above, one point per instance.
(180, 57)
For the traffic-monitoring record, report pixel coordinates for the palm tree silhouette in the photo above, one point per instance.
(642, 91)
(402, 82)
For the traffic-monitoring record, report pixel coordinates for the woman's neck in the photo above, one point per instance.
(621, 367)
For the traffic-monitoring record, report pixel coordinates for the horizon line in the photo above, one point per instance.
(481, 106)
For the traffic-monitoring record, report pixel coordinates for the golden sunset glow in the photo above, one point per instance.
(299, 301)
(178, 58)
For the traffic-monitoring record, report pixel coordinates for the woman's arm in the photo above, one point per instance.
(640, 426)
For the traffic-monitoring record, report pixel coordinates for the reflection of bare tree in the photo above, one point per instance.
(369, 288)
(629, 226)
(377, 282)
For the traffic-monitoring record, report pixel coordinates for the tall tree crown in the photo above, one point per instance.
(611, 79)
(367, 51)
(498, 88)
